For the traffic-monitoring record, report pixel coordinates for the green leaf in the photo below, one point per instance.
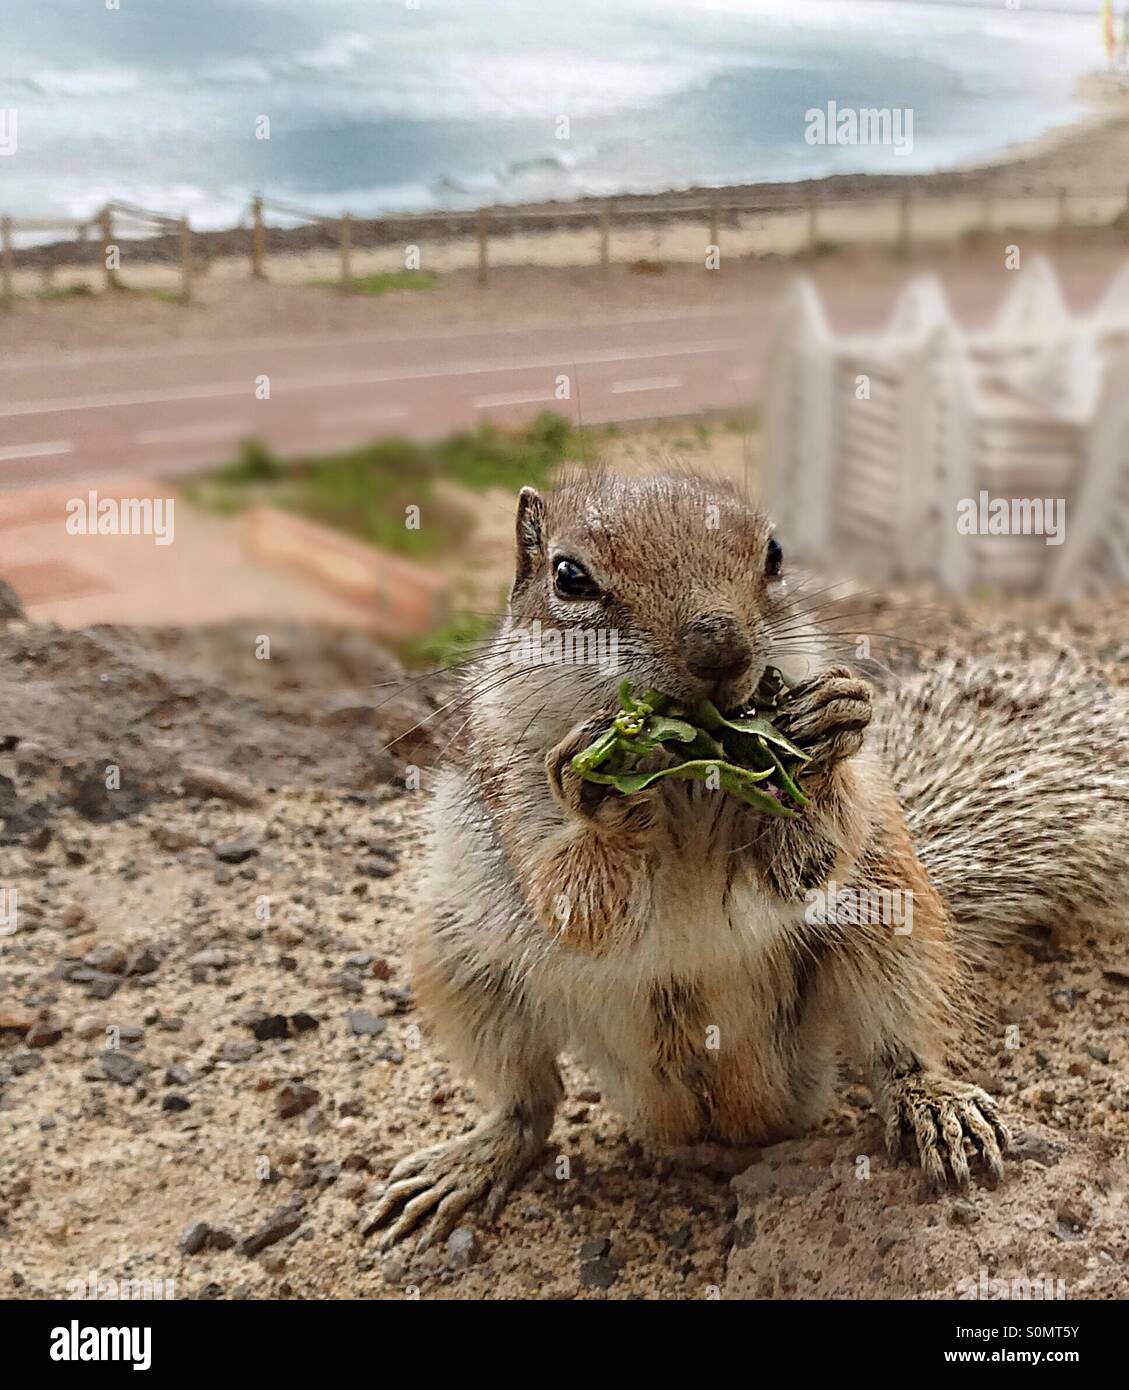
(744, 752)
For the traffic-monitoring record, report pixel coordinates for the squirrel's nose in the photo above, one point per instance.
(714, 647)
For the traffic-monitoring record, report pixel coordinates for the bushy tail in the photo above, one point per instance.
(1015, 787)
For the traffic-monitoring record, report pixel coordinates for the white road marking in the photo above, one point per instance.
(653, 383)
(366, 414)
(223, 429)
(522, 398)
(34, 451)
(78, 356)
(216, 390)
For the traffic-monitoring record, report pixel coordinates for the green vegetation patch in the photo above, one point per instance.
(381, 282)
(367, 491)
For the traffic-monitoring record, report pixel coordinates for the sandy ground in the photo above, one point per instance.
(860, 286)
(209, 1055)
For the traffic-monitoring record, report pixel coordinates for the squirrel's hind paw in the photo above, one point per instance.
(933, 1117)
(441, 1182)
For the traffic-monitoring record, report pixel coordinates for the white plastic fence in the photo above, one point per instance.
(886, 452)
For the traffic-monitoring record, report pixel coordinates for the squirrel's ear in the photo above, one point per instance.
(530, 533)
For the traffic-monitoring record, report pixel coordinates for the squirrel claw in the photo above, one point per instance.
(439, 1183)
(828, 715)
(933, 1117)
(589, 801)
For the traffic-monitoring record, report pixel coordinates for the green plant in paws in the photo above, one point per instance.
(747, 754)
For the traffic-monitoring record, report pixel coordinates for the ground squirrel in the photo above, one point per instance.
(666, 938)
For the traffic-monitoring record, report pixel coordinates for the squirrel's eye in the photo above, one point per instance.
(573, 581)
(773, 559)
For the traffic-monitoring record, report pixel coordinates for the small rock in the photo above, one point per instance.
(277, 1227)
(100, 984)
(238, 1050)
(1097, 1052)
(374, 866)
(303, 1022)
(270, 1026)
(143, 961)
(364, 1024)
(1073, 1214)
(220, 1238)
(107, 956)
(598, 1274)
(213, 959)
(122, 1068)
(14, 1020)
(175, 1103)
(87, 1026)
(348, 982)
(235, 851)
(43, 1033)
(964, 1213)
(194, 1238)
(295, 1100)
(595, 1249)
(225, 786)
(1035, 1146)
(462, 1248)
(176, 1074)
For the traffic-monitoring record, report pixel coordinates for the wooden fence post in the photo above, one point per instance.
(606, 235)
(813, 227)
(715, 224)
(185, 261)
(258, 239)
(482, 246)
(903, 225)
(106, 223)
(346, 250)
(6, 261)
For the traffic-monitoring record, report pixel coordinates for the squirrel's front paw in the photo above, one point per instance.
(441, 1182)
(934, 1117)
(594, 802)
(828, 715)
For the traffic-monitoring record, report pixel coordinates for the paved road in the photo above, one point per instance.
(182, 406)
(139, 411)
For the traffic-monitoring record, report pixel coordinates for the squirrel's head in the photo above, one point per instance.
(683, 575)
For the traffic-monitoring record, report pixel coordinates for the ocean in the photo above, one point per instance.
(376, 105)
